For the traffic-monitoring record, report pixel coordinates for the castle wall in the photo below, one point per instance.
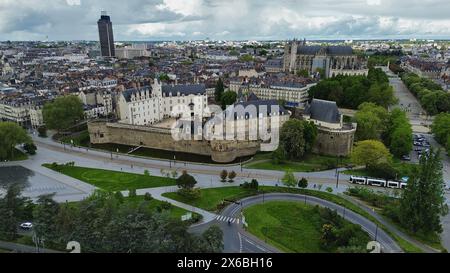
(159, 138)
(334, 143)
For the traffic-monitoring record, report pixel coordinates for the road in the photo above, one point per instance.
(206, 175)
(237, 240)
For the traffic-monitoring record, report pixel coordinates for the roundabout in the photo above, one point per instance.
(238, 239)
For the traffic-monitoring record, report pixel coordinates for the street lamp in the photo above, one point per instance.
(376, 233)
(337, 180)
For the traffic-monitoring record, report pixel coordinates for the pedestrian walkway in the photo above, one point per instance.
(227, 219)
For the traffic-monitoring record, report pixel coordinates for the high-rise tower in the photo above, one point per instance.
(105, 31)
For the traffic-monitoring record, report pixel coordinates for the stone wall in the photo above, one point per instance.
(334, 142)
(159, 138)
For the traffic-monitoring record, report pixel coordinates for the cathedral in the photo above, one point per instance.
(331, 60)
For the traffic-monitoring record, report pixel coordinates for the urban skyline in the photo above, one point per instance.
(200, 19)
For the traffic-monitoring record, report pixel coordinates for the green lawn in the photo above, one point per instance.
(211, 199)
(152, 206)
(289, 226)
(113, 180)
(311, 163)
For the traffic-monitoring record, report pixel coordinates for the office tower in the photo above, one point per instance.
(106, 35)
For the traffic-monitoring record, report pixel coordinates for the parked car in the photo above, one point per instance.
(26, 225)
(406, 158)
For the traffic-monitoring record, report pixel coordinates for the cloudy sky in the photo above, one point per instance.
(225, 19)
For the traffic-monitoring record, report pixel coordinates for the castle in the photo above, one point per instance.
(332, 60)
(334, 136)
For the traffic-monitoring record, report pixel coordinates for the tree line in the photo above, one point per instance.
(441, 130)
(352, 91)
(431, 96)
(104, 222)
(392, 128)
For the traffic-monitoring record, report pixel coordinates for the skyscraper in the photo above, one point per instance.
(106, 35)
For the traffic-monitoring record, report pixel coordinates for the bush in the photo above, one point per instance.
(329, 189)
(190, 194)
(303, 183)
(231, 176)
(42, 131)
(148, 197)
(132, 193)
(223, 175)
(186, 181)
(383, 170)
(30, 148)
(254, 184)
(147, 172)
(119, 196)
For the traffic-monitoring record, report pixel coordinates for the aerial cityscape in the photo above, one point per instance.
(242, 127)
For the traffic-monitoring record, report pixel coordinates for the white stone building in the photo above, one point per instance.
(149, 105)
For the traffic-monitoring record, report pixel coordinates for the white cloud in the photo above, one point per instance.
(73, 2)
(231, 19)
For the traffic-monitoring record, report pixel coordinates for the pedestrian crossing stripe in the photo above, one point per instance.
(223, 218)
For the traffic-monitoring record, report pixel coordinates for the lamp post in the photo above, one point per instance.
(337, 180)
(376, 233)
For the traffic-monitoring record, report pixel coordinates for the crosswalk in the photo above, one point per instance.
(226, 219)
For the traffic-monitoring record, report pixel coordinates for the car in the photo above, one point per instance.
(417, 143)
(26, 225)
(417, 149)
(406, 158)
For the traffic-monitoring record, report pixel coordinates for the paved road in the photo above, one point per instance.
(236, 239)
(206, 175)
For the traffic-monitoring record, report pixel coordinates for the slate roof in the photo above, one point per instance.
(184, 89)
(331, 50)
(323, 110)
(268, 103)
(127, 93)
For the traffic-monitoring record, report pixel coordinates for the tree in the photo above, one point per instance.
(441, 128)
(11, 135)
(228, 98)
(289, 179)
(212, 240)
(370, 153)
(63, 112)
(371, 121)
(423, 201)
(42, 131)
(45, 218)
(310, 134)
(132, 193)
(186, 181)
(246, 58)
(254, 184)
(279, 155)
(219, 90)
(223, 175)
(231, 176)
(292, 139)
(13, 209)
(303, 183)
(398, 134)
(30, 148)
(303, 73)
